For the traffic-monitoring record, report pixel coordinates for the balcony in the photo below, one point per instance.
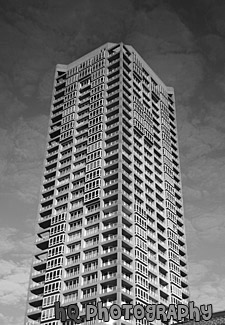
(49, 162)
(124, 250)
(183, 269)
(109, 263)
(110, 215)
(70, 299)
(127, 277)
(127, 264)
(110, 172)
(33, 322)
(91, 281)
(111, 126)
(111, 182)
(110, 250)
(47, 180)
(91, 256)
(77, 176)
(34, 310)
(45, 219)
(71, 262)
(72, 274)
(37, 284)
(90, 294)
(39, 261)
(110, 153)
(92, 231)
(73, 250)
(36, 297)
(38, 273)
(110, 226)
(46, 189)
(109, 275)
(128, 196)
(112, 192)
(109, 289)
(127, 239)
(91, 243)
(111, 162)
(110, 203)
(52, 145)
(184, 280)
(127, 291)
(46, 207)
(112, 117)
(90, 269)
(185, 292)
(43, 238)
(109, 237)
(71, 287)
(112, 109)
(46, 198)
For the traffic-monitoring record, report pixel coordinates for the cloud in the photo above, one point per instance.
(16, 250)
(207, 284)
(211, 226)
(6, 244)
(8, 320)
(210, 292)
(198, 140)
(22, 157)
(11, 106)
(215, 17)
(12, 241)
(168, 47)
(213, 47)
(191, 194)
(193, 239)
(13, 284)
(199, 270)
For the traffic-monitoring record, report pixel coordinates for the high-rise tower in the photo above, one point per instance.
(110, 221)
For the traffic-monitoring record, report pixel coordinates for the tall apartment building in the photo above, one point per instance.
(110, 224)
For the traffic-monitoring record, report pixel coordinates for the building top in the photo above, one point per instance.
(111, 46)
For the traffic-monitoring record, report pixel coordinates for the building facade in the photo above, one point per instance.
(110, 224)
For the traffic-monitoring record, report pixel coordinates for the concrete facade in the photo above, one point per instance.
(110, 224)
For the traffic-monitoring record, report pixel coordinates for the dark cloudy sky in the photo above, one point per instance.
(183, 42)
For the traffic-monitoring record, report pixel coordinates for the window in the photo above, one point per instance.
(56, 251)
(92, 175)
(73, 259)
(53, 275)
(92, 195)
(48, 314)
(95, 137)
(57, 229)
(54, 263)
(96, 163)
(47, 301)
(92, 185)
(56, 240)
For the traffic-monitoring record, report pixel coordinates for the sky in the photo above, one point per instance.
(184, 43)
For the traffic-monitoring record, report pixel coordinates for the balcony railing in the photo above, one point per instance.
(110, 237)
(37, 310)
(109, 276)
(110, 250)
(37, 284)
(109, 263)
(109, 289)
